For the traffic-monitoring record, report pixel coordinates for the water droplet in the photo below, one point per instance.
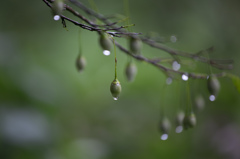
(169, 80)
(184, 77)
(173, 39)
(164, 137)
(56, 17)
(179, 129)
(212, 98)
(106, 52)
(176, 66)
(115, 98)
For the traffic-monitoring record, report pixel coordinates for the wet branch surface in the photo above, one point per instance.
(114, 30)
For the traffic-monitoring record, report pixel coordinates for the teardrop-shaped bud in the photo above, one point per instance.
(199, 102)
(135, 45)
(80, 63)
(57, 7)
(189, 121)
(213, 85)
(131, 71)
(179, 118)
(105, 41)
(115, 89)
(164, 126)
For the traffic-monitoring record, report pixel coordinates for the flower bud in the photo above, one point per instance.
(164, 126)
(189, 121)
(131, 71)
(199, 102)
(179, 118)
(105, 42)
(57, 7)
(115, 89)
(135, 45)
(80, 63)
(213, 85)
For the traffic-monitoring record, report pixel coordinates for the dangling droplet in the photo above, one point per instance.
(184, 77)
(169, 81)
(164, 137)
(173, 39)
(56, 17)
(106, 52)
(176, 66)
(115, 98)
(212, 98)
(179, 129)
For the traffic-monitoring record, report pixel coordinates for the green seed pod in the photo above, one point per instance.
(213, 85)
(199, 102)
(115, 89)
(164, 126)
(135, 45)
(57, 7)
(80, 63)
(179, 118)
(189, 121)
(131, 71)
(105, 42)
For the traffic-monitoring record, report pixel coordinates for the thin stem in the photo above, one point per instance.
(79, 43)
(189, 102)
(162, 102)
(115, 54)
(126, 9)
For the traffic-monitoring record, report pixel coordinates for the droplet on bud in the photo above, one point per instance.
(131, 71)
(164, 126)
(106, 52)
(213, 85)
(56, 17)
(179, 129)
(164, 137)
(212, 98)
(184, 77)
(57, 9)
(115, 89)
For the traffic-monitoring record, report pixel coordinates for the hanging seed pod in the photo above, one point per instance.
(135, 45)
(131, 71)
(213, 85)
(80, 63)
(105, 42)
(189, 121)
(164, 126)
(179, 118)
(115, 89)
(199, 102)
(57, 7)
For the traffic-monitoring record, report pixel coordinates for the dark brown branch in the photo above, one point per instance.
(109, 26)
(154, 44)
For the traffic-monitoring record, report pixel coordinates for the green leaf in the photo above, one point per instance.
(235, 80)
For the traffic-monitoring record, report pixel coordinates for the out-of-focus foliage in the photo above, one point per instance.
(48, 110)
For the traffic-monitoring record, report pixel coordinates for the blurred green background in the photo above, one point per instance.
(48, 110)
